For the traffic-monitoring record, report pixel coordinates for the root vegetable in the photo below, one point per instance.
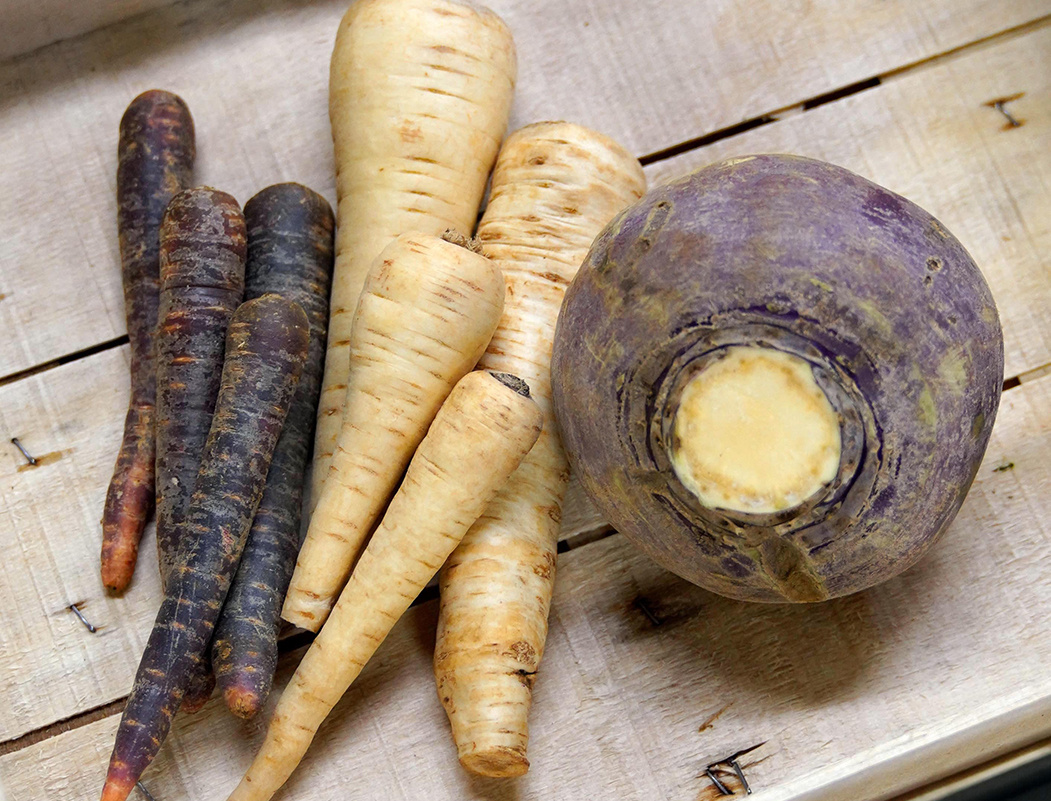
(155, 156)
(290, 253)
(203, 246)
(554, 187)
(478, 438)
(419, 96)
(266, 348)
(426, 314)
(778, 378)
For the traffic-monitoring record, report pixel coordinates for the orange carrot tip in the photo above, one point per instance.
(243, 698)
(120, 781)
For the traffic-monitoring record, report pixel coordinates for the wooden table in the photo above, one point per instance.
(647, 679)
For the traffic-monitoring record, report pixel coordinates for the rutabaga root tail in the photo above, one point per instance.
(555, 186)
(155, 155)
(426, 314)
(479, 436)
(419, 96)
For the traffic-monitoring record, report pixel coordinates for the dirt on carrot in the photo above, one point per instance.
(265, 351)
(155, 155)
(290, 253)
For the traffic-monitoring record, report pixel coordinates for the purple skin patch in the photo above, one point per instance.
(802, 256)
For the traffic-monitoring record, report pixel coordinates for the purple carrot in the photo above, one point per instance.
(290, 252)
(155, 154)
(203, 248)
(265, 351)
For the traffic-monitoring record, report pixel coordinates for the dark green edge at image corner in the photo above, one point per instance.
(1029, 782)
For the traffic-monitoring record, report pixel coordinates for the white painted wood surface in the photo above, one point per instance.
(71, 419)
(79, 407)
(254, 72)
(29, 24)
(51, 667)
(858, 698)
(933, 136)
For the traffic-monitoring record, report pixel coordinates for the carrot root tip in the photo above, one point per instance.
(117, 787)
(244, 702)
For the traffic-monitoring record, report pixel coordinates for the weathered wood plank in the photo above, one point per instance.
(933, 136)
(29, 24)
(255, 75)
(51, 668)
(857, 698)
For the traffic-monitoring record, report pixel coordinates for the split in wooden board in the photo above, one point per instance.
(255, 75)
(70, 419)
(648, 679)
(49, 515)
(934, 136)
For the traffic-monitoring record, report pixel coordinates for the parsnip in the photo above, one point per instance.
(478, 438)
(554, 188)
(427, 312)
(419, 96)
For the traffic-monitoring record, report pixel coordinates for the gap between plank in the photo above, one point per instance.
(300, 639)
(61, 726)
(696, 143)
(842, 92)
(76, 355)
(1028, 759)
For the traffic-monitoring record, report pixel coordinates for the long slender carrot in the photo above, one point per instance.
(265, 351)
(203, 246)
(155, 155)
(478, 438)
(554, 188)
(419, 97)
(427, 312)
(290, 253)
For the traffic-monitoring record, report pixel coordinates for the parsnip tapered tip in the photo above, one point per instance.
(118, 784)
(309, 619)
(243, 700)
(496, 762)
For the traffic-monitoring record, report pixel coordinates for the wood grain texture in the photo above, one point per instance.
(49, 516)
(51, 667)
(648, 679)
(29, 24)
(648, 77)
(933, 136)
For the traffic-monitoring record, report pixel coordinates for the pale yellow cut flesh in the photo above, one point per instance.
(755, 433)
